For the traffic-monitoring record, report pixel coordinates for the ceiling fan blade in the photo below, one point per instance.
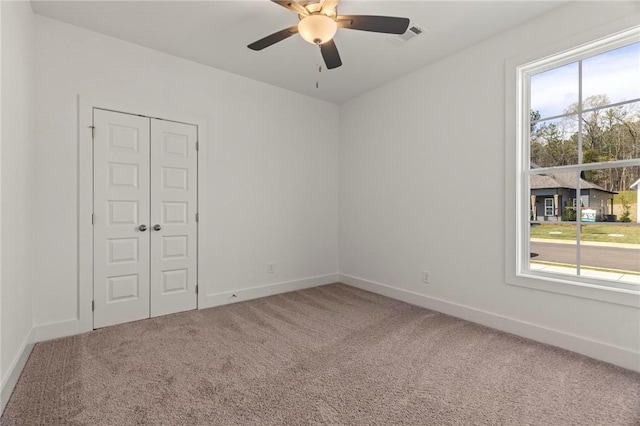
(330, 55)
(292, 6)
(329, 4)
(376, 24)
(273, 38)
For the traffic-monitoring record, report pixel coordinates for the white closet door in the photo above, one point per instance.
(121, 213)
(173, 217)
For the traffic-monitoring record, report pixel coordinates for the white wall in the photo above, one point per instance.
(272, 183)
(422, 169)
(1, 50)
(17, 180)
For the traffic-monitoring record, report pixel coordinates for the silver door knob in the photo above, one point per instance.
(157, 227)
(142, 228)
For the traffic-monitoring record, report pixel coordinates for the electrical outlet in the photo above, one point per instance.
(271, 267)
(426, 277)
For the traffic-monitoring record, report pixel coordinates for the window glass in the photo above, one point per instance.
(553, 248)
(610, 134)
(554, 142)
(582, 208)
(609, 228)
(612, 75)
(553, 195)
(554, 91)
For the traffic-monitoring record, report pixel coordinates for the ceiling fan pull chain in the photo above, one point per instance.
(319, 64)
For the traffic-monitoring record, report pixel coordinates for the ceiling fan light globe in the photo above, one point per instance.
(317, 29)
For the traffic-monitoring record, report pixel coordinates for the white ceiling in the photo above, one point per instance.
(216, 33)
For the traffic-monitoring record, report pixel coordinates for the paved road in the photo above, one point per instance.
(625, 259)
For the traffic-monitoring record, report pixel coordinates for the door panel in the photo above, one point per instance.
(121, 205)
(173, 208)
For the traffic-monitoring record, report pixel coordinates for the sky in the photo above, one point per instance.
(615, 73)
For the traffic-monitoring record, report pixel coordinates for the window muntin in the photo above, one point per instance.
(548, 207)
(574, 136)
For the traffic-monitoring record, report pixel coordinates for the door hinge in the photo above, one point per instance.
(197, 217)
(196, 288)
(93, 131)
(197, 146)
(93, 219)
(93, 306)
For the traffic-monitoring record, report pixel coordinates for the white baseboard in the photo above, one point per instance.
(72, 327)
(57, 329)
(13, 374)
(620, 356)
(227, 297)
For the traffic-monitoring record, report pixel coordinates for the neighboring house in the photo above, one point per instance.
(636, 185)
(553, 196)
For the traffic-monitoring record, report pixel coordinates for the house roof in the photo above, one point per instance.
(562, 180)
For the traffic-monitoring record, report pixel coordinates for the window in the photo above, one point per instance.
(578, 138)
(548, 206)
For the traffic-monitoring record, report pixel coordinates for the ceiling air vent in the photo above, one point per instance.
(413, 32)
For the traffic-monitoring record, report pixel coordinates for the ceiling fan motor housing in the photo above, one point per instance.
(317, 28)
(316, 7)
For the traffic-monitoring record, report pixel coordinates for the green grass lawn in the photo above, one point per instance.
(610, 233)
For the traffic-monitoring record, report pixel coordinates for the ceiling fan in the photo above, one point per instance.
(319, 21)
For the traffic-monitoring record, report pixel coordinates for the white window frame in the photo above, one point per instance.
(518, 73)
(549, 212)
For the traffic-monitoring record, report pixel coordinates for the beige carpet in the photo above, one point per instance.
(329, 355)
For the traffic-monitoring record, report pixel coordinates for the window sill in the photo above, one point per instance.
(584, 288)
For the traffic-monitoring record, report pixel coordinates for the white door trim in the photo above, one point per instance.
(84, 314)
